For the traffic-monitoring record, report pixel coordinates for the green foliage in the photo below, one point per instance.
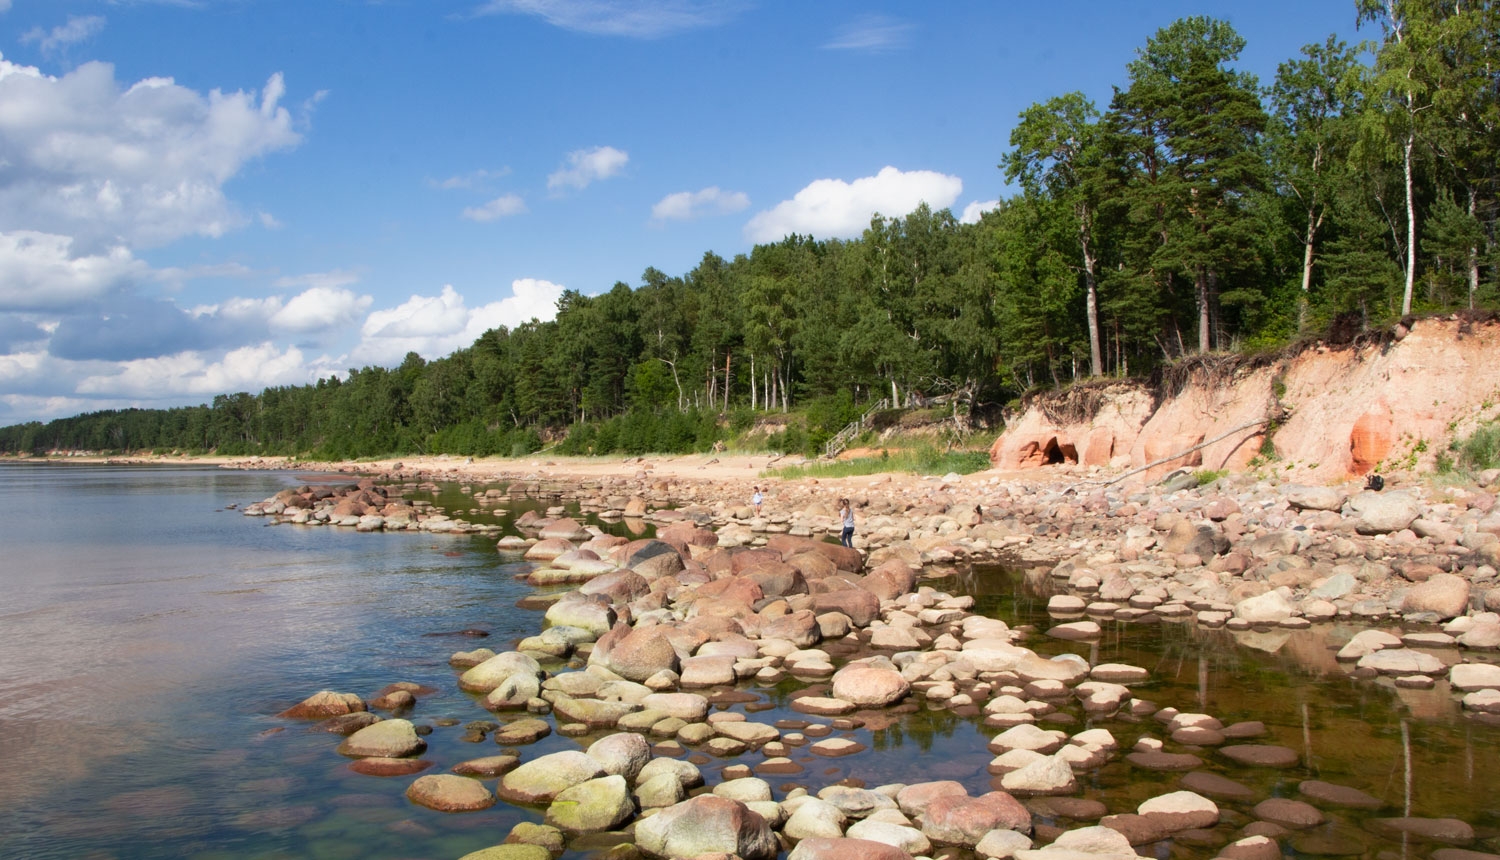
(1197, 211)
(1208, 476)
(1481, 450)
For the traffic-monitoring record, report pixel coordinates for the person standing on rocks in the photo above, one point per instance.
(846, 515)
(756, 500)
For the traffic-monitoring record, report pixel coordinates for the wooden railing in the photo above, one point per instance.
(840, 440)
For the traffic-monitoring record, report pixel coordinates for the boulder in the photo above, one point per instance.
(635, 653)
(859, 605)
(1445, 594)
(493, 672)
(324, 704)
(707, 825)
(869, 686)
(1467, 677)
(1382, 513)
(845, 558)
(385, 739)
(846, 849)
(1093, 843)
(542, 779)
(449, 793)
(1273, 607)
(814, 819)
(1180, 810)
(1305, 498)
(592, 806)
(623, 753)
(962, 820)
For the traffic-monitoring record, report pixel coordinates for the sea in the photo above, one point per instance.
(150, 633)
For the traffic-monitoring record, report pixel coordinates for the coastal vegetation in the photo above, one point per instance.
(1199, 210)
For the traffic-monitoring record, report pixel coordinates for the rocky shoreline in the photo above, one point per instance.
(657, 654)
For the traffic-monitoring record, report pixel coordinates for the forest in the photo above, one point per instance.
(1200, 210)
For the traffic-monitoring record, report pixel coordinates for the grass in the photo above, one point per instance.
(918, 461)
(1482, 449)
(1208, 476)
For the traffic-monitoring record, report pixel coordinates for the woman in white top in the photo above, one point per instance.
(846, 515)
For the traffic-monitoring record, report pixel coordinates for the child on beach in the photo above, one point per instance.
(756, 500)
(846, 516)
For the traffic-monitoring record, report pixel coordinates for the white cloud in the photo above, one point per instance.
(434, 326)
(39, 271)
(320, 309)
(501, 207)
(328, 280)
(637, 19)
(873, 34)
(688, 205)
(4, 6)
(250, 368)
(833, 208)
(144, 164)
(79, 28)
(975, 209)
(468, 180)
(268, 221)
(584, 166)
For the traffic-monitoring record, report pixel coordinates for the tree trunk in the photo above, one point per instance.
(1411, 224)
(1473, 258)
(1200, 284)
(1307, 270)
(727, 356)
(752, 380)
(1096, 353)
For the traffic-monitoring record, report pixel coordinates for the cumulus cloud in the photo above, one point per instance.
(39, 271)
(78, 28)
(196, 374)
(585, 166)
(833, 208)
(501, 207)
(872, 34)
(975, 209)
(434, 326)
(689, 205)
(468, 180)
(320, 309)
(88, 157)
(636, 19)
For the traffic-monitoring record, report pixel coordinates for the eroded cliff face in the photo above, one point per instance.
(1331, 413)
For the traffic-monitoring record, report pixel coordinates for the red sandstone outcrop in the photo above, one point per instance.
(1384, 406)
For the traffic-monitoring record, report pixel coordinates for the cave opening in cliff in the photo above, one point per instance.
(1058, 453)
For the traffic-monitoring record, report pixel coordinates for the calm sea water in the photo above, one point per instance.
(148, 637)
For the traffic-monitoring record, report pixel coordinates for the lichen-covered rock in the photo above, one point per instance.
(592, 806)
(707, 825)
(542, 779)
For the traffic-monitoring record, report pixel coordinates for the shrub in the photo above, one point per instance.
(1482, 449)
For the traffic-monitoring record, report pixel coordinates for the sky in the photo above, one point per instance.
(201, 197)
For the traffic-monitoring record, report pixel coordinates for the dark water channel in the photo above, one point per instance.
(148, 636)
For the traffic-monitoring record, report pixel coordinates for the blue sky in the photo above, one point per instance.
(207, 196)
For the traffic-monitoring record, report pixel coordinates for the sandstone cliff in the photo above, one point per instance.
(1330, 413)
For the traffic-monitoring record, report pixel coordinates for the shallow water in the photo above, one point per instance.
(148, 637)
